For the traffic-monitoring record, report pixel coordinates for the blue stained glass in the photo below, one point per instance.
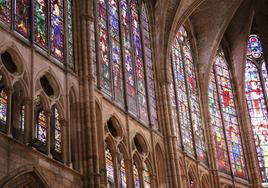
(182, 100)
(116, 52)
(104, 49)
(123, 179)
(254, 47)
(136, 176)
(57, 36)
(109, 166)
(3, 107)
(129, 66)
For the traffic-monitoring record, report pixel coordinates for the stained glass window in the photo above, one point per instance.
(229, 114)
(40, 23)
(181, 96)
(136, 176)
(70, 34)
(104, 48)
(146, 177)
(22, 116)
(123, 180)
(124, 42)
(57, 27)
(22, 17)
(138, 59)
(256, 86)
(57, 130)
(217, 127)
(109, 167)
(130, 74)
(5, 6)
(3, 107)
(149, 70)
(116, 52)
(41, 127)
(37, 20)
(187, 96)
(174, 114)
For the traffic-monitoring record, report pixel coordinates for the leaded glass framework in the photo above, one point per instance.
(146, 177)
(41, 127)
(123, 179)
(3, 109)
(43, 26)
(125, 57)
(5, 7)
(226, 130)
(187, 97)
(109, 167)
(136, 176)
(56, 128)
(256, 96)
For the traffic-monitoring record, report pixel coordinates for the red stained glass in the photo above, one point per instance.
(22, 17)
(256, 86)
(187, 96)
(229, 115)
(218, 127)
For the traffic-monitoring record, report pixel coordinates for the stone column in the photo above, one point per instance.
(64, 141)
(28, 123)
(116, 168)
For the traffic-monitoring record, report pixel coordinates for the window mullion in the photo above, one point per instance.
(110, 51)
(222, 118)
(188, 101)
(144, 67)
(175, 89)
(129, 10)
(96, 10)
(123, 59)
(262, 83)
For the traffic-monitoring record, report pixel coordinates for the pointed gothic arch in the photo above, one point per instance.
(26, 175)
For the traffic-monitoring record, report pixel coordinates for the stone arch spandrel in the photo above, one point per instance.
(26, 175)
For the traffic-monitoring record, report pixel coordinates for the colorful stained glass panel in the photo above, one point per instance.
(123, 179)
(57, 28)
(109, 166)
(258, 114)
(22, 17)
(57, 129)
(146, 177)
(41, 127)
(40, 23)
(230, 116)
(149, 69)
(5, 6)
(138, 60)
(218, 128)
(181, 96)
(3, 107)
(136, 176)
